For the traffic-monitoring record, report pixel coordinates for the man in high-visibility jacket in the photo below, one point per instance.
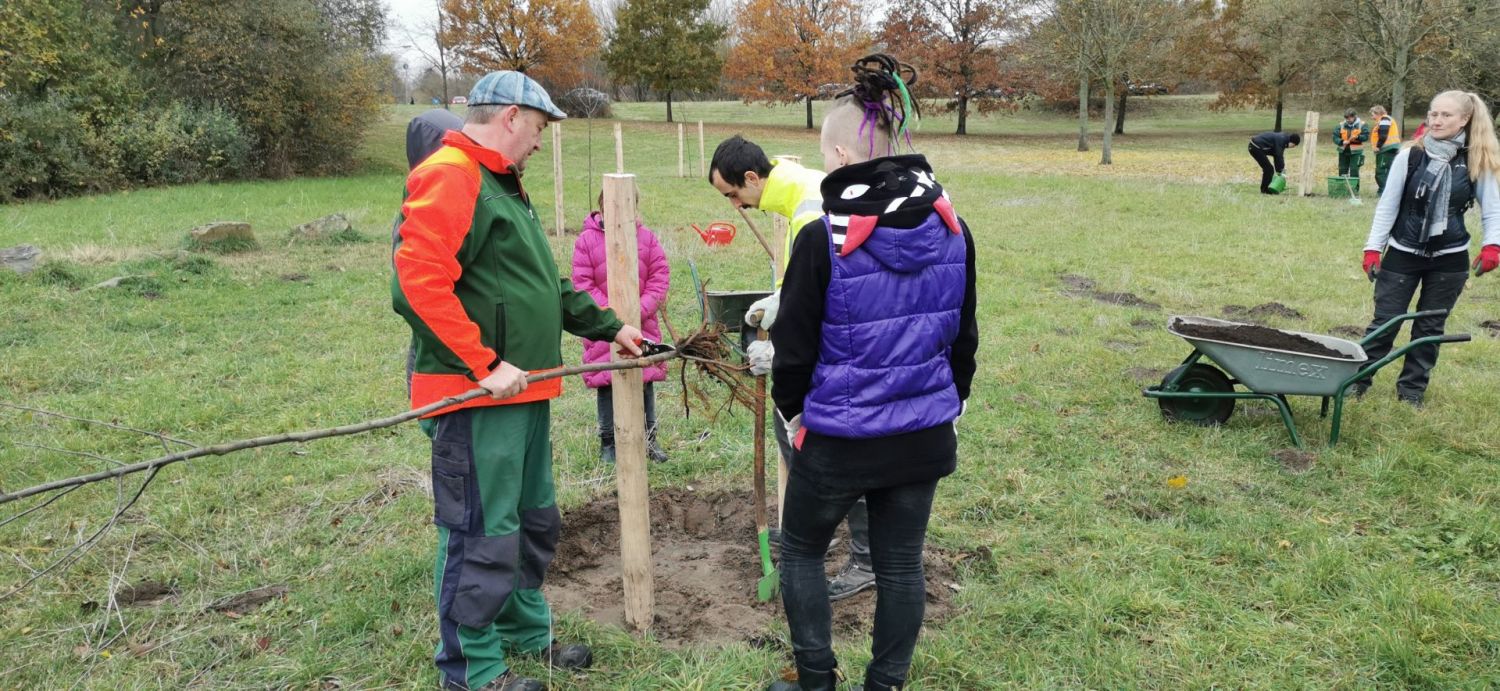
(741, 171)
(1350, 138)
(1386, 137)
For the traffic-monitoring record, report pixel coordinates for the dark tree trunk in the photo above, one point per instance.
(1279, 105)
(1083, 113)
(809, 112)
(963, 114)
(669, 105)
(1120, 110)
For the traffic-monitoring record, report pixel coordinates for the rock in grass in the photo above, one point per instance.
(222, 236)
(329, 228)
(21, 259)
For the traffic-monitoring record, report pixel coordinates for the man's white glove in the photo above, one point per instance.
(760, 354)
(963, 407)
(793, 426)
(762, 312)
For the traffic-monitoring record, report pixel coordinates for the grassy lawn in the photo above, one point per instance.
(1379, 566)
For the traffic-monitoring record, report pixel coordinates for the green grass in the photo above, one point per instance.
(1378, 567)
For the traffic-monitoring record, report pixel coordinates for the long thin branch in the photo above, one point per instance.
(230, 447)
(39, 411)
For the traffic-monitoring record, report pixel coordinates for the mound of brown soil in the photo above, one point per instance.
(706, 564)
(1258, 336)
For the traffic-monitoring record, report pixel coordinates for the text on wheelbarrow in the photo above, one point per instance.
(1309, 370)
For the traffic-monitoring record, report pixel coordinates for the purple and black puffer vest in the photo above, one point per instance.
(893, 304)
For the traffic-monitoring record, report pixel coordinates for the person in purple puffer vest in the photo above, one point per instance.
(590, 269)
(875, 347)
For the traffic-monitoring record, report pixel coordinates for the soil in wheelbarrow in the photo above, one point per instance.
(706, 564)
(1259, 337)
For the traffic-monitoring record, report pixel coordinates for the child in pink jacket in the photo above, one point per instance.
(589, 274)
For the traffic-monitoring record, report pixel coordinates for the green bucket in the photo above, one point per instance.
(1343, 186)
(1278, 183)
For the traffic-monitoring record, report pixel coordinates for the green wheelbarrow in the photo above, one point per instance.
(1202, 394)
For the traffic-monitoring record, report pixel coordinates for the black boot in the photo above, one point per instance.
(653, 449)
(607, 447)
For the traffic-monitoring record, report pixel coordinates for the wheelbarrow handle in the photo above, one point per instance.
(1396, 320)
(1455, 338)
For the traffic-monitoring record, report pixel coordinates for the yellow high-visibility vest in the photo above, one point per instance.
(1393, 137)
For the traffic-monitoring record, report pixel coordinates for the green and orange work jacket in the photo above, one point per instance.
(475, 279)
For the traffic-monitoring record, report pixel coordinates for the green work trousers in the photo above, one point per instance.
(1383, 159)
(497, 528)
(1350, 160)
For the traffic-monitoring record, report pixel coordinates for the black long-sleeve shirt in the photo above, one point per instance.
(1273, 143)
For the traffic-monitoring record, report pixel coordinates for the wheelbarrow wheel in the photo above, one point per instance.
(1207, 412)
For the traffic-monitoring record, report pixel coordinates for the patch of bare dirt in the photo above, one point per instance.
(1491, 326)
(1143, 324)
(1146, 374)
(249, 600)
(1348, 331)
(1295, 461)
(1269, 309)
(1121, 346)
(1074, 285)
(706, 563)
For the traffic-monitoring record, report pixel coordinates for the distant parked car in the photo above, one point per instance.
(1147, 89)
(460, 100)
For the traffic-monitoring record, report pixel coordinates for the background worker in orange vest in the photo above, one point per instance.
(1385, 134)
(1351, 137)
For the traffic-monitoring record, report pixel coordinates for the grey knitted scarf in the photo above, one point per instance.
(1437, 181)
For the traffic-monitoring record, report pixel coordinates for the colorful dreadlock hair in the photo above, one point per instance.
(882, 89)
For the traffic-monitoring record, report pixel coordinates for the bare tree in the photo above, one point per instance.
(439, 55)
(1390, 35)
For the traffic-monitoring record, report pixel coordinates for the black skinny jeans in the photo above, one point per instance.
(605, 407)
(898, 529)
(1401, 274)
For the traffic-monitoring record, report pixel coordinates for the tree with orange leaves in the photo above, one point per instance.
(786, 49)
(550, 40)
(956, 44)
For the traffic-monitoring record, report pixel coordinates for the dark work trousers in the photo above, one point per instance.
(859, 515)
(1350, 161)
(605, 406)
(1266, 169)
(898, 529)
(1401, 275)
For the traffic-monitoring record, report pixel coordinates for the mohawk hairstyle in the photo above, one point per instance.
(882, 91)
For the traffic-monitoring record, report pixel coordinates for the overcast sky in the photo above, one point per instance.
(404, 15)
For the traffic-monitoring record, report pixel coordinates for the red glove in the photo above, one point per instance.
(1372, 263)
(1489, 258)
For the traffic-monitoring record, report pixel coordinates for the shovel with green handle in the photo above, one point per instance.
(770, 580)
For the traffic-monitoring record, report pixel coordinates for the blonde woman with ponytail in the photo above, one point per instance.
(1418, 240)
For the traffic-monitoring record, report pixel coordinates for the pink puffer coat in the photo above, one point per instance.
(590, 273)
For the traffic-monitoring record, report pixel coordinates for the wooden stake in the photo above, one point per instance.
(681, 152)
(619, 151)
(1309, 155)
(782, 226)
(557, 177)
(702, 160)
(630, 425)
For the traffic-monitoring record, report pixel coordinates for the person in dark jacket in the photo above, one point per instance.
(1271, 145)
(874, 359)
(1419, 226)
